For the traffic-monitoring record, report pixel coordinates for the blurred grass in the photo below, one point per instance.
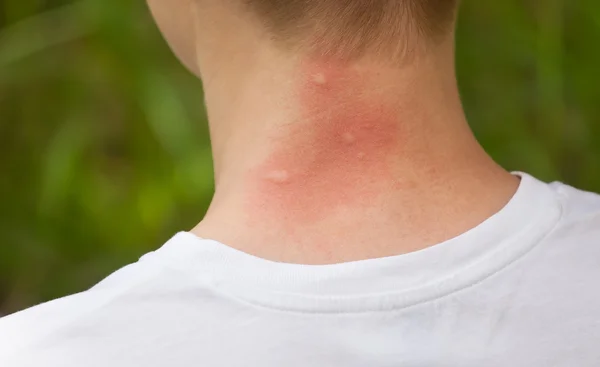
(105, 150)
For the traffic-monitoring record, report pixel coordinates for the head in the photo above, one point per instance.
(343, 29)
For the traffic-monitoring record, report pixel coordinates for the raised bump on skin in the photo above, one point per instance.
(319, 79)
(348, 138)
(278, 177)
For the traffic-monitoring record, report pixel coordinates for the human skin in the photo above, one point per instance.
(324, 160)
(177, 22)
(340, 151)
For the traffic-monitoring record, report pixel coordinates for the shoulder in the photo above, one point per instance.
(52, 333)
(24, 335)
(573, 245)
(580, 212)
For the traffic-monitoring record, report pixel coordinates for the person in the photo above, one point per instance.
(356, 220)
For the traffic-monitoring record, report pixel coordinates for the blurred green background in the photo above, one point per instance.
(104, 144)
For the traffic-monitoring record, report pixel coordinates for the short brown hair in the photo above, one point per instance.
(349, 27)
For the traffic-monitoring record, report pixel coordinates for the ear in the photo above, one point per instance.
(175, 19)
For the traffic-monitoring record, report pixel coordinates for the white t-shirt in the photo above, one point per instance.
(521, 289)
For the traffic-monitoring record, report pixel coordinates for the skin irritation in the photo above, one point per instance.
(339, 154)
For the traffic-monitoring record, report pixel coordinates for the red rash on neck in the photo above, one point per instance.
(337, 154)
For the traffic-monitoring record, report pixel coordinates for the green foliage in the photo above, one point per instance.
(104, 142)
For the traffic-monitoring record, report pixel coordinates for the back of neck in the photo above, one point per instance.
(324, 161)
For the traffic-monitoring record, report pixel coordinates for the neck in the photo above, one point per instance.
(321, 161)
